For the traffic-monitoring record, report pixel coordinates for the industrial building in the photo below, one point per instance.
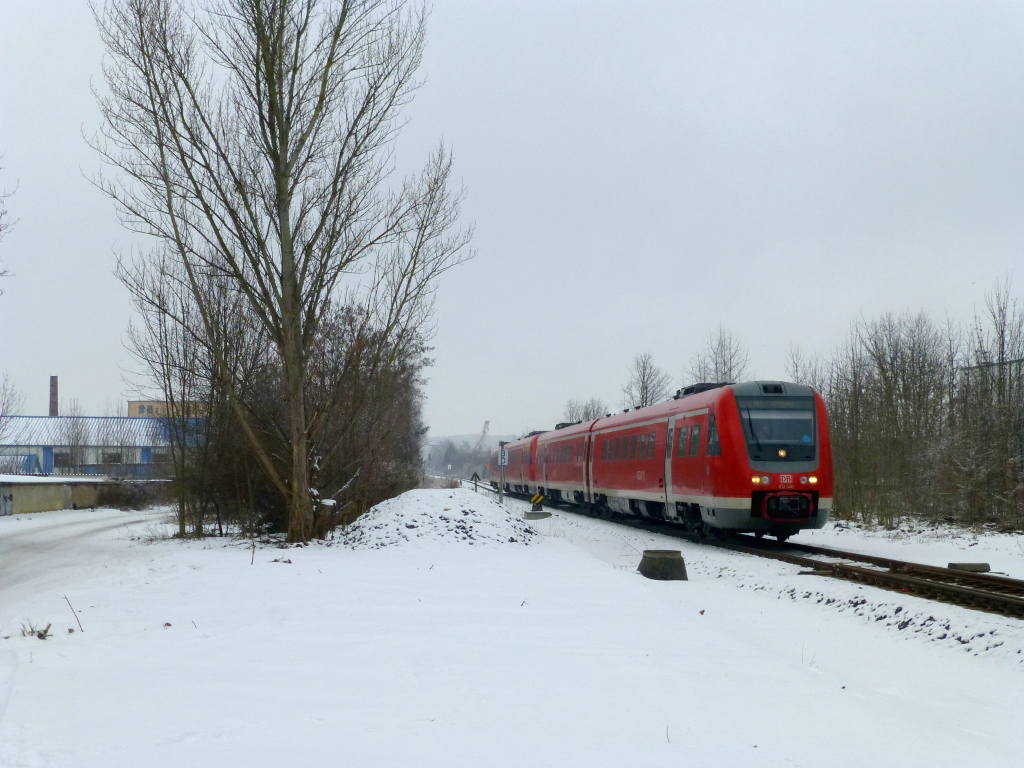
(115, 446)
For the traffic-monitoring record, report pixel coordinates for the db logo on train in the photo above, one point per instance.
(786, 479)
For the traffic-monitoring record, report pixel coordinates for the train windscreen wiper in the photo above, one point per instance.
(753, 432)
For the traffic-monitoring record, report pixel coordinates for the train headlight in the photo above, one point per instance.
(812, 480)
(760, 479)
(756, 479)
(782, 453)
(803, 480)
(765, 479)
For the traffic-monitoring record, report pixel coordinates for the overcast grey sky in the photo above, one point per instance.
(638, 173)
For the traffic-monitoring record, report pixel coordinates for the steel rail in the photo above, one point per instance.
(926, 581)
(988, 581)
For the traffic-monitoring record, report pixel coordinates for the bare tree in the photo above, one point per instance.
(75, 439)
(724, 358)
(254, 141)
(647, 384)
(577, 410)
(10, 403)
(5, 223)
(805, 370)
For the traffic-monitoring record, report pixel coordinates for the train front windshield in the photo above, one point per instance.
(778, 428)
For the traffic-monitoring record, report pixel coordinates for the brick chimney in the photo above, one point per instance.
(54, 410)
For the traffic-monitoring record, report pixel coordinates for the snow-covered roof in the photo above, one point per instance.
(120, 431)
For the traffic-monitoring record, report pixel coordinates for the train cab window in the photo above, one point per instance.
(695, 440)
(650, 445)
(643, 445)
(681, 450)
(714, 446)
(778, 428)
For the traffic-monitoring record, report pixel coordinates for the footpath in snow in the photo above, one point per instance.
(441, 629)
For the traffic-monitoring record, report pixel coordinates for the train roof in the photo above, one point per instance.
(693, 397)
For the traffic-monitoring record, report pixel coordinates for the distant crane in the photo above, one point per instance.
(483, 436)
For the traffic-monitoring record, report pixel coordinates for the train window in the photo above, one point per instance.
(714, 446)
(695, 440)
(681, 450)
(650, 445)
(643, 445)
(632, 447)
(605, 449)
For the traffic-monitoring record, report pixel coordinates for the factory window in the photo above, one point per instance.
(650, 446)
(695, 440)
(681, 450)
(149, 410)
(643, 445)
(142, 409)
(111, 457)
(61, 459)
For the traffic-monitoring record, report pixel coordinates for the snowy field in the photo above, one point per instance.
(442, 630)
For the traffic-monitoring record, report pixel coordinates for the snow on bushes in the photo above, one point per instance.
(454, 515)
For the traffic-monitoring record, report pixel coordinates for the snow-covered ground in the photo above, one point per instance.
(51, 479)
(442, 630)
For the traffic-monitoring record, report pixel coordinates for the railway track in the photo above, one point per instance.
(980, 591)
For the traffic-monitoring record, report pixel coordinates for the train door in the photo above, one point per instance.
(670, 495)
(586, 467)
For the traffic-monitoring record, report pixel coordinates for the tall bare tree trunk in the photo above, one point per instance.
(254, 141)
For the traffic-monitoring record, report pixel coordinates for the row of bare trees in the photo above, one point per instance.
(723, 358)
(928, 420)
(290, 288)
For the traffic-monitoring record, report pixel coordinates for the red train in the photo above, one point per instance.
(753, 457)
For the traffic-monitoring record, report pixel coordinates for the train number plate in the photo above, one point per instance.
(785, 478)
